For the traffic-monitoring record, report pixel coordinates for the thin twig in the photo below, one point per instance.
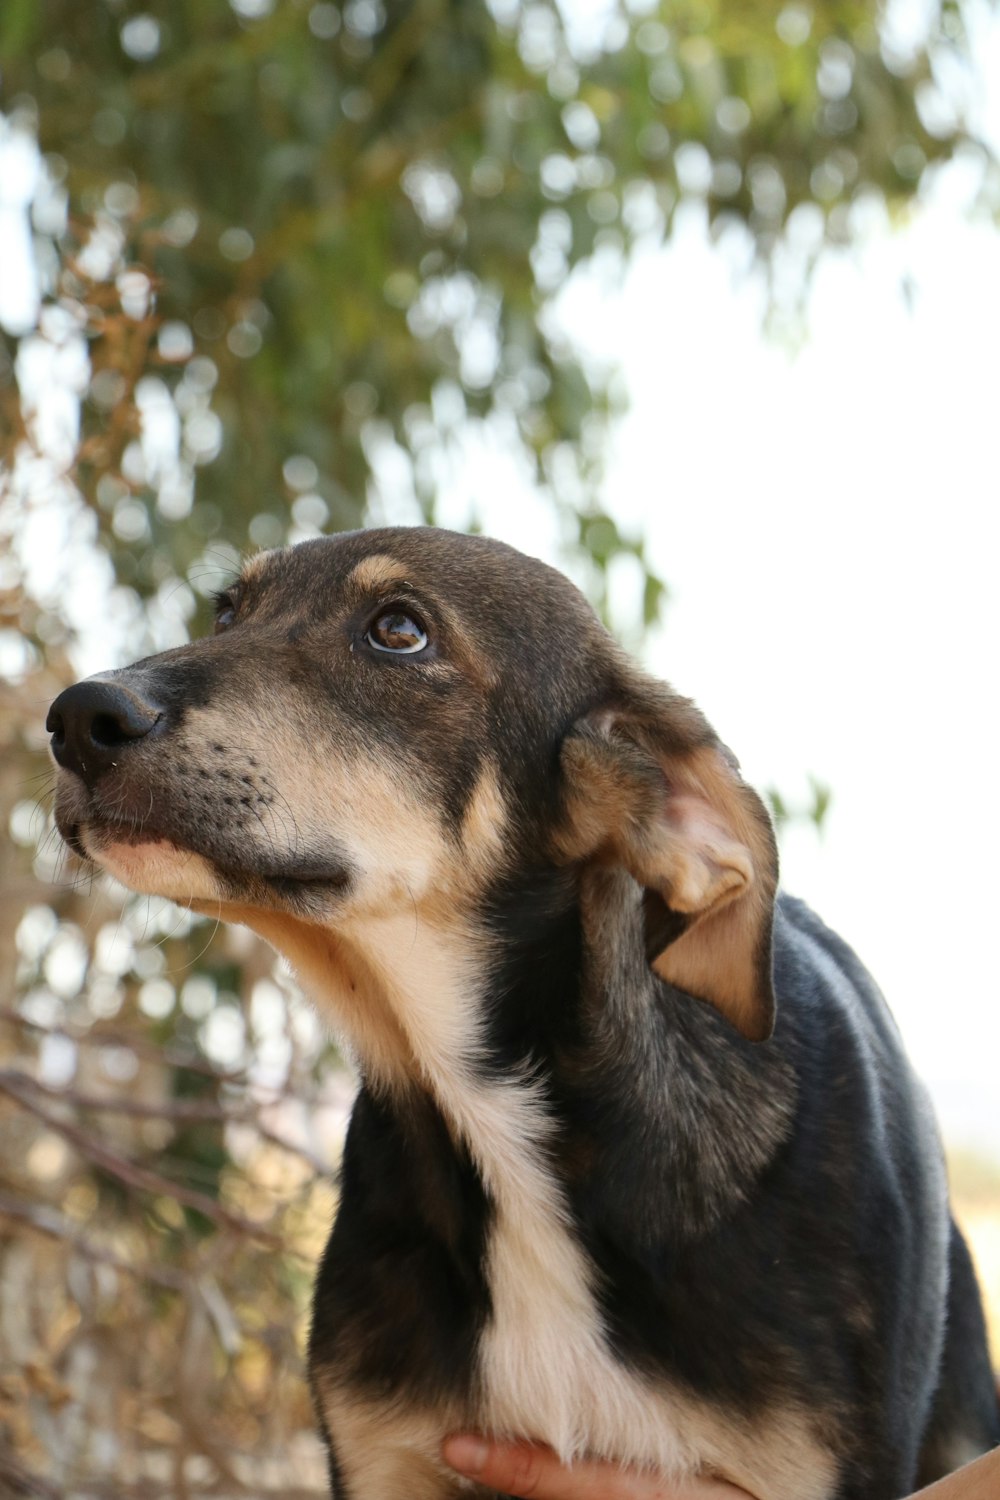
(182, 1111)
(93, 1037)
(47, 1221)
(20, 1485)
(134, 1175)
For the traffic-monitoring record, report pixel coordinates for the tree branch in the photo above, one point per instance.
(48, 1222)
(180, 1111)
(131, 1173)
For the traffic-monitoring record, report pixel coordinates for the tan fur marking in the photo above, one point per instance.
(390, 1452)
(780, 1457)
(374, 572)
(484, 824)
(340, 982)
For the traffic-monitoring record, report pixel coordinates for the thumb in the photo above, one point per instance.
(535, 1473)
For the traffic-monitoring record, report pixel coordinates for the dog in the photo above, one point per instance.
(637, 1167)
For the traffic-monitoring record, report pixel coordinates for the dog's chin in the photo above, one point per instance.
(155, 867)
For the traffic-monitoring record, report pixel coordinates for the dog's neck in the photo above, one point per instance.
(516, 1019)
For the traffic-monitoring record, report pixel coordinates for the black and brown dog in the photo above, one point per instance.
(637, 1167)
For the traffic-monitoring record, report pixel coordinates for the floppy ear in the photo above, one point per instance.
(648, 786)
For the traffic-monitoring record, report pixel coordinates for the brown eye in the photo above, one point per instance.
(396, 631)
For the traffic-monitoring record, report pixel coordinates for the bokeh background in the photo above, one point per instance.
(697, 300)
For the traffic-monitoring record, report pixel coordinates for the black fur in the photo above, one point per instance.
(401, 1294)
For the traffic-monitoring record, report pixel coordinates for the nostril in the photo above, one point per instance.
(107, 731)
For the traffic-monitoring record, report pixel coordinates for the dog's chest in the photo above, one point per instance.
(546, 1369)
(541, 1366)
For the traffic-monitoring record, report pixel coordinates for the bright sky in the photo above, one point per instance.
(828, 524)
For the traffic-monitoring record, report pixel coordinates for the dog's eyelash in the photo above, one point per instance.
(402, 605)
(227, 598)
(226, 602)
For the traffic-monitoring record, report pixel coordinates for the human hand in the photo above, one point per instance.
(536, 1473)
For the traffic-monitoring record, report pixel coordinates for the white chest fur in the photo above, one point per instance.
(545, 1367)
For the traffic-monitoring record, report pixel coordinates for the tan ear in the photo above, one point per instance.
(660, 796)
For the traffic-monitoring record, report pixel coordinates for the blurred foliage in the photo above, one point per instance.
(280, 257)
(814, 810)
(328, 235)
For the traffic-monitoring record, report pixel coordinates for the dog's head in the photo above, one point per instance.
(394, 720)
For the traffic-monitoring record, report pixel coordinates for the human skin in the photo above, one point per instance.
(535, 1473)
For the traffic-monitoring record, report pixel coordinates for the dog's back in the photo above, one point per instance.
(911, 1324)
(937, 1388)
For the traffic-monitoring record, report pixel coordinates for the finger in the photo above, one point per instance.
(535, 1473)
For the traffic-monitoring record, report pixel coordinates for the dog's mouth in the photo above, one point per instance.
(149, 857)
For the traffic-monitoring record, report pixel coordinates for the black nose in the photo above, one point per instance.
(93, 721)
